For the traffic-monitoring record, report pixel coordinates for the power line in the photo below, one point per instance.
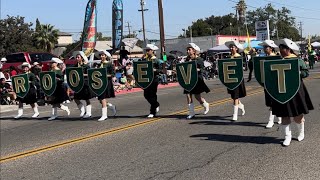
(302, 17)
(292, 6)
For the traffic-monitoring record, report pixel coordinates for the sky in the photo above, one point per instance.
(68, 15)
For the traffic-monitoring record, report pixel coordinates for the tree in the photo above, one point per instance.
(213, 24)
(134, 35)
(282, 24)
(38, 25)
(46, 37)
(15, 35)
(100, 37)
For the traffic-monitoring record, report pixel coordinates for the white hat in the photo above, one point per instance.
(56, 60)
(82, 54)
(268, 43)
(24, 64)
(234, 43)
(97, 54)
(194, 46)
(35, 63)
(152, 47)
(293, 46)
(3, 59)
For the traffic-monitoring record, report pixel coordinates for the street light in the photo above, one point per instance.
(211, 36)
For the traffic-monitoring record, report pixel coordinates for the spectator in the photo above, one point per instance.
(6, 90)
(129, 74)
(13, 71)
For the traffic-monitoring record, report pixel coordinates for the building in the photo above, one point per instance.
(204, 42)
(64, 39)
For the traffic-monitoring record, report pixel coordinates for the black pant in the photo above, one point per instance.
(150, 94)
(251, 70)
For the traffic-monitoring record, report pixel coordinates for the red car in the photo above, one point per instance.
(17, 59)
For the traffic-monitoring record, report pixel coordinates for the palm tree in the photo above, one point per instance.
(46, 37)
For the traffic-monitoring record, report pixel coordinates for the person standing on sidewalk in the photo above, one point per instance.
(269, 48)
(60, 94)
(193, 55)
(240, 91)
(150, 93)
(31, 97)
(109, 92)
(300, 104)
(85, 93)
(253, 53)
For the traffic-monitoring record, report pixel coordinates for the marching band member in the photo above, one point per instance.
(31, 97)
(300, 104)
(85, 93)
(240, 91)
(109, 92)
(150, 93)
(269, 48)
(60, 94)
(193, 55)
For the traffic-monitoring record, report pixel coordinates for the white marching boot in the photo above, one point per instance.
(271, 121)
(279, 120)
(88, 112)
(205, 105)
(36, 112)
(158, 109)
(82, 110)
(191, 111)
(150, 116)
(54, 114)
(113, 108)
(104, 114)
(300, 128)
(20, 113)
(287, 134)
(235, 112)
(65, 108)
(241, 106)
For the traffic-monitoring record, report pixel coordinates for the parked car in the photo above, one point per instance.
(17, 59)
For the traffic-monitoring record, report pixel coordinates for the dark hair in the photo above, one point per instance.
(283, 46)
(1, 79)
(12, 68)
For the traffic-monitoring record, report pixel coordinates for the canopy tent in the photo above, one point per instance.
(315, 44)
(253, 44)
(221, 48)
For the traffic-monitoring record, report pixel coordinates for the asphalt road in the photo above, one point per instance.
(129, 146)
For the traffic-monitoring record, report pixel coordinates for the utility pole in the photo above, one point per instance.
(161, 24)
(191, 33)
(211, 36)
(128, 26)
(142, 3)
(300, 27)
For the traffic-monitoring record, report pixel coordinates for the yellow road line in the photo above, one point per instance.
(118, 129)
(108, 132)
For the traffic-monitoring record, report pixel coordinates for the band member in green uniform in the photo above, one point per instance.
(269, 48)
(60, 94)
(240, 91)
(150, 93)
(109, 92)
(300, 104)
(85, 93)
(193, 55)
(31, 97)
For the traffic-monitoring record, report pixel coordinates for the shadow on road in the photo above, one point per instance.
(238, 138)
(233, 123)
